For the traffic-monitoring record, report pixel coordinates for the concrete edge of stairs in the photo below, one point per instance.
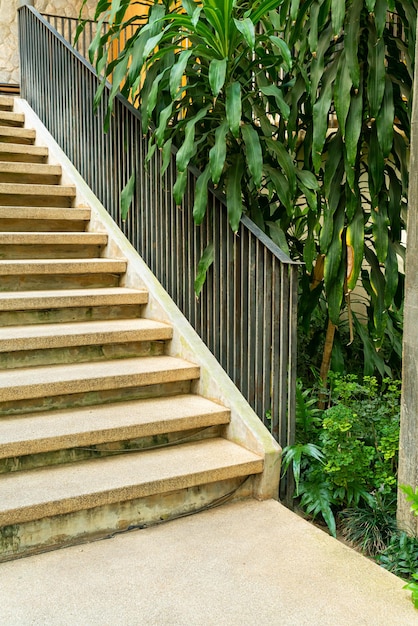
(245, 427)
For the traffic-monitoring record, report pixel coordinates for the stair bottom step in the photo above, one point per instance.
(21, 540)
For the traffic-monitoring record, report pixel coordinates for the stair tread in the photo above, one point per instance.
(12, 131)
(61, 266)
(52, 238)
(29, 189)
(12, 118)
(40, 381)
(59, 298)
(61, 489)
(42, 213)
(18, 148)
(39, 169)
(55, 430)
(41, 336)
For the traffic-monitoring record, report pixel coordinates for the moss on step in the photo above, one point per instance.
(38, 282)
(94, 397)
(70, 529)
(94, 451)
(80, 354)
(76, 314)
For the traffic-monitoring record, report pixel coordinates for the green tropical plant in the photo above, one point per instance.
(312, 143)
(207, 78)
(371, 526)
(350, 103)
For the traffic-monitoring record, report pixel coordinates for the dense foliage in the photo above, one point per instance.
(346, 455)
(299, 111)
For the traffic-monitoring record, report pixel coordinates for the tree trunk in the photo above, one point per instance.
(408, 445)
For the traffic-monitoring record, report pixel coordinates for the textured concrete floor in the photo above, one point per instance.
(249, 563)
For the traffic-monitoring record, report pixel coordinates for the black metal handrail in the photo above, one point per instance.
(247, 310)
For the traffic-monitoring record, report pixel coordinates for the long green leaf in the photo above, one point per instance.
(342, 91)
(351, 40)
(385, 119)
(276, 93)
(217, 74)
(201, 196)
(284, 160)
(377, 70)
(204, 264)
(355, 248)
(234, 193)
(188, 148)
(180, 187)
(353, 131)
(233, 107)
(217, 153)
(380, 222)
(320, 124)
(338, 14)
(253, 153)
(177, 72)
(334, 268)
(126, 196)
(247, 30)
(283, 49)
(281, 187)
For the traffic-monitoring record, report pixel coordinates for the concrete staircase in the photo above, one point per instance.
(100, 428)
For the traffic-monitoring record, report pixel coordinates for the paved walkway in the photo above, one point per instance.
(248, 563)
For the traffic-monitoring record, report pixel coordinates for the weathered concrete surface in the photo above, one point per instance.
(245, 564)
(9, 55)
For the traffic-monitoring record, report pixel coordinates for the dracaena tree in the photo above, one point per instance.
(299, 112)
(207, 77)
(351, 100)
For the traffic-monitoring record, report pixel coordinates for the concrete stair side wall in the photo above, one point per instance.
(245, 427)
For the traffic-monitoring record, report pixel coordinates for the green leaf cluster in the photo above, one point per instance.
(352, 453)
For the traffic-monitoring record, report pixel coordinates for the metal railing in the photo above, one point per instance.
(67, 28)
(246, 313)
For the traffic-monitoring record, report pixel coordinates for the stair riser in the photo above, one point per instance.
(99, 450)
(57, 281)
(18, 157)
(19, 199)
(44, 226)
(76, 251)
(72, 528)
(63, 401)
(80, 354)
(79, 314)
(11, 120)
(20, 139)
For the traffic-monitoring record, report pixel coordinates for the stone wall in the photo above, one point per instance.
(9, 57)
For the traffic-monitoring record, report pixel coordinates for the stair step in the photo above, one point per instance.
(43, 219)
(57, 430)
(47, 336)
(37, 195)
(43, 245)
(61, 298)
(6, 103)
(46, 239)
(23, 153)
(46, 492)
(7, 118)
(24, 173)
(77, 378)
(9, 134)
(29, 267)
